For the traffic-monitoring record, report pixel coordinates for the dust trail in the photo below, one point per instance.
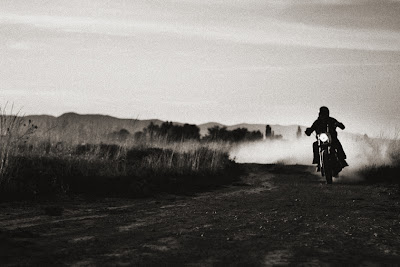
(274, 151)
(361, 153)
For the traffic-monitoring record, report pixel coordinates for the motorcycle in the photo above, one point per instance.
(329, 162)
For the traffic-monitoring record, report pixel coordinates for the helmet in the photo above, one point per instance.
(323, 112)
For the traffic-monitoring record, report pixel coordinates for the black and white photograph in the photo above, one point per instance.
(199, 132)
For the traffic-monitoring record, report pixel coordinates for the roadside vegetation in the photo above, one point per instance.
(113, 170)
(166, 158)
(386, 171)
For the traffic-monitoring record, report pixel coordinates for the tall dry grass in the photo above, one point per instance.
(44, 165)
(14, 130)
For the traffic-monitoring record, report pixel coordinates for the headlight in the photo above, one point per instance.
(323, 137)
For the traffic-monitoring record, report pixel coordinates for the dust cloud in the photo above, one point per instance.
(274, 151)
(361, 153)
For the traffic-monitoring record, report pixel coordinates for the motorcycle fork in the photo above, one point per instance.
(321, 159)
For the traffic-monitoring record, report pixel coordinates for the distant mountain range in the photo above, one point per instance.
(73, 124)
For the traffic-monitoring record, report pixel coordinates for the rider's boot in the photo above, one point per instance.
(343, 162)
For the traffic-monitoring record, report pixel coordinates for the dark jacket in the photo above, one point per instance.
(321, 125)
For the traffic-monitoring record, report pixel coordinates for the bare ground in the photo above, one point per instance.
(276, 215)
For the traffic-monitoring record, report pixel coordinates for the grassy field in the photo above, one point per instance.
(38, 165)
(113, 170)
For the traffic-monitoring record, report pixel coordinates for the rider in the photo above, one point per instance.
(320, 126)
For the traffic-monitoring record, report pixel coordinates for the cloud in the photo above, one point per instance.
(327, 2)
(301, 67)
(267, 31)
(287, 3)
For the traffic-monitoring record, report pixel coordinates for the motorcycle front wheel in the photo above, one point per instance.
(326, 167)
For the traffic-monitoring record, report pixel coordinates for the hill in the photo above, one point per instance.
(85, 127)
(91, 127)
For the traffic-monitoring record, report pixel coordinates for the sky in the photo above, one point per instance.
(196, 61)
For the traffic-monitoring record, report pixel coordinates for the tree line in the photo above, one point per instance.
(186, 132)
(217, 133)
(169, 132)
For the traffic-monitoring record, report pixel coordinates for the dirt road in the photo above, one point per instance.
(277, 215)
